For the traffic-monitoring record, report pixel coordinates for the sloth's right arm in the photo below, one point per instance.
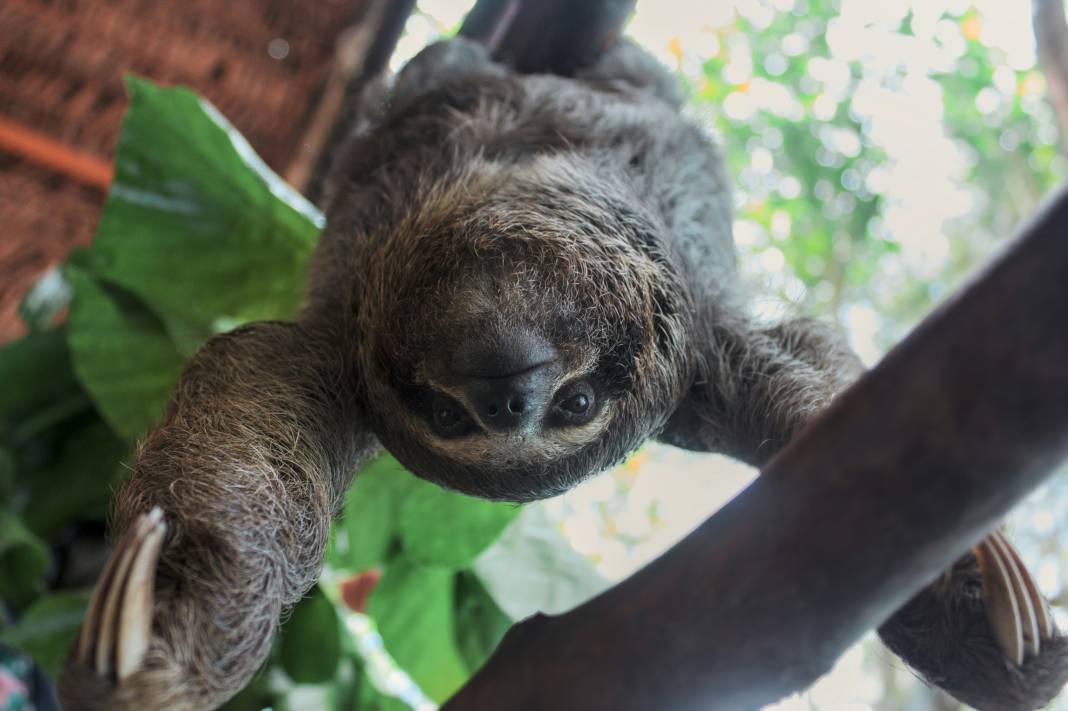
(222, 523)
(983, 631)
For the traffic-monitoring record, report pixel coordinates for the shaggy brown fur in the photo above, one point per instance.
(478, 204)
(945, 635)
(248, 490)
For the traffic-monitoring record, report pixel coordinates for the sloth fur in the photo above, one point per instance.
(588, 211)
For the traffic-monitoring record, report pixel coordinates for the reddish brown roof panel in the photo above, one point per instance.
(61, 68)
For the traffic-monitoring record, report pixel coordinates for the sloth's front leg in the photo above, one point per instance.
(233, 496)
(983, 631)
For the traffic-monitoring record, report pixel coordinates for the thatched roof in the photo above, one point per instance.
(262, 62)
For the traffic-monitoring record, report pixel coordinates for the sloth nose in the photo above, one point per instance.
(508, 376)
(511, 402)
(500, 352)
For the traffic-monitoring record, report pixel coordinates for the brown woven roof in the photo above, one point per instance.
(61, 68)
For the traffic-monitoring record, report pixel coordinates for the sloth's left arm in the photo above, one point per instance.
(223, 522)
(983, 631)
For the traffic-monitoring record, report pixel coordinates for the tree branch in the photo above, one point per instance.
(871, 502)
(362, 57)
(1051, 37)
(555, 36)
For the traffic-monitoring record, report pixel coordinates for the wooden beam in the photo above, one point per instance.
(870, 503)
(46, 151)
(1051, 40)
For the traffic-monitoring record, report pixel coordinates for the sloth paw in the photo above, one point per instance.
(984, 633)
(115, 638)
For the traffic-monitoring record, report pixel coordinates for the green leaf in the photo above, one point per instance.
(77, 485)
(48, 627)
(23, 561)
(532, 568)
(34, 372)
(311, 640)
(480, 623)
(368, 698)
(257, 696)
(439, 527)
(370, 515)
(121, 353)
(413, 607)
(7, 475)
(195, 224)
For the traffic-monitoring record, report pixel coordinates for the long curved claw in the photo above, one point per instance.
(1046, 627)
(115, 635)
(1019, 616)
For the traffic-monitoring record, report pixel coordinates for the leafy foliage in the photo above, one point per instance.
(23, 559)
(121, 353)
(817, 105)
(438, 528)
(414, 608)
(197, 189)
(314, 627)
(48, 627)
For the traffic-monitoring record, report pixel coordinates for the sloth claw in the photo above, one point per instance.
(983, 632)
(118, 624)
(1019, 616)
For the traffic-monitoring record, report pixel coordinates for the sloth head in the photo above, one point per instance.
(521, 327)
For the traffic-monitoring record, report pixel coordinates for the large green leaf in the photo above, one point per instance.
(480, 623)
(413, 606)
(78, 483)
(257, 696)
(311, 640)
(533, 568)
(195, 224)
(444, 528)
(23, 561)
(47, 629)
(121, 353)
(7, 475)
(368, 698)
(369, 521)
(35, 372)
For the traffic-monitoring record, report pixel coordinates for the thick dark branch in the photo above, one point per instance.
(489, 20)
(362, 58)
(1051, 37)
(870, 503)
(556, 36)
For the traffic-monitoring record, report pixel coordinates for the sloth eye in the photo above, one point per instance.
(574, 406)
(448, 416)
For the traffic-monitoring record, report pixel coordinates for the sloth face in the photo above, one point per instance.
(529, 332)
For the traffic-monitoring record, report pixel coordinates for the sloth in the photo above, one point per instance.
(522, 279)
